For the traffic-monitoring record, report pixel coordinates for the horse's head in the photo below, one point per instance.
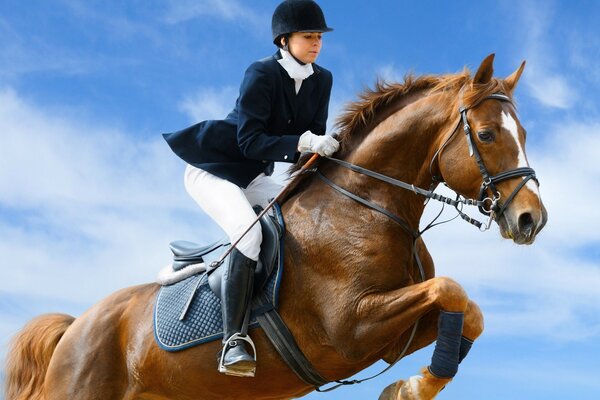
(488, 160)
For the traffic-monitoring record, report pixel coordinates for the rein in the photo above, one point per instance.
(487, 205)
(428, 194)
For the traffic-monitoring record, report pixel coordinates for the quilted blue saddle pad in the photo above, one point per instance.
(203, 321)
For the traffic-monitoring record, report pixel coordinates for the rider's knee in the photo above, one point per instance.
(250, 243)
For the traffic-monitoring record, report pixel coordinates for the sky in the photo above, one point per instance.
(90, 195)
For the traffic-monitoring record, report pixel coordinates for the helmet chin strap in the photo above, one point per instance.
(286, 47)
(299, 62)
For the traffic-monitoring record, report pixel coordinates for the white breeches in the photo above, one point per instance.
(231, 206)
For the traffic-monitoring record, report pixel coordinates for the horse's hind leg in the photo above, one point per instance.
(427, 386)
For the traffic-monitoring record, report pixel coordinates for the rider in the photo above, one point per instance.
(281, 111)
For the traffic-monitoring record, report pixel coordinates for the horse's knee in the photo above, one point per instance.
(473, 324)
(449, 295)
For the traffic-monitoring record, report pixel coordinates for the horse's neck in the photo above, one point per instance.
(334, 238)
(401, 146)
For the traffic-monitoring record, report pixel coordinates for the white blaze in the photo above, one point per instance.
(509, 123)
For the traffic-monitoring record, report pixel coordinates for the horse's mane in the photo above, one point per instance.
(357, 119)
(359, 115)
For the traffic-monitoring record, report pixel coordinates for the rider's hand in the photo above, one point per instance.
(324, 145)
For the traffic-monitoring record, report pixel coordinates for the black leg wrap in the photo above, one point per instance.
(465, 346)
(445, 359)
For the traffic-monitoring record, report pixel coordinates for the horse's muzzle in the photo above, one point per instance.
(523, 225)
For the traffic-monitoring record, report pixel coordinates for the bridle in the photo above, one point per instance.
(489, 206)
(489, 182)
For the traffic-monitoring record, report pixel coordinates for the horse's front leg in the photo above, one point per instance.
(427, 385)
(383, 315)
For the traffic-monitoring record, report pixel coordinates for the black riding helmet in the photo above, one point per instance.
(297, 16)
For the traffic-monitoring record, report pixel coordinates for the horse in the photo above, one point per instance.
(353, 291)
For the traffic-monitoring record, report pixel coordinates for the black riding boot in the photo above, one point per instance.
(236, 293)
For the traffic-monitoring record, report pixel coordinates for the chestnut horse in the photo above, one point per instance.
(351, 290)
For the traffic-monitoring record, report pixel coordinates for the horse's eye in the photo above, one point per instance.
(486, 136)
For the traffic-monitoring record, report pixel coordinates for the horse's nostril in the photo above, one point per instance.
(525, 222)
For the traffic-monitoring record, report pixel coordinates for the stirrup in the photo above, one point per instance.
(232, 372)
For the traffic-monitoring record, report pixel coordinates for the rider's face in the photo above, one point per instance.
(305, 46)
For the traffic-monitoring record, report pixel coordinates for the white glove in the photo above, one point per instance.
(324, 145)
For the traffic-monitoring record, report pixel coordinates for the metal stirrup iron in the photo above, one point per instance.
(232, 342)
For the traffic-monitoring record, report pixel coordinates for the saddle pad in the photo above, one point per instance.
(203, 321)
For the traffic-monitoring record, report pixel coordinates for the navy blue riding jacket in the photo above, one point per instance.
(264, 126)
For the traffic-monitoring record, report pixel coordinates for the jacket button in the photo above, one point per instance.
(285, 157)
(289, 121)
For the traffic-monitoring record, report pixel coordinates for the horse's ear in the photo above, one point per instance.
(485, 71)
(511, 81)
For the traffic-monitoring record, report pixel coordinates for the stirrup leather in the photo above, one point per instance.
(224, 369)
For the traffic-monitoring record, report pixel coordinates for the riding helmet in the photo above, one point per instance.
(297, 16)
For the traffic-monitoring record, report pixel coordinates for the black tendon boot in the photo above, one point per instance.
(236, 293)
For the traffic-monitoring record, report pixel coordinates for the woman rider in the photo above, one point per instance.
(281, 111)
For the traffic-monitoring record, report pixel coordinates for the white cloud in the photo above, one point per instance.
(550, 89)
(390, 73)
(84, 203)
(547, 85)
(209, 103)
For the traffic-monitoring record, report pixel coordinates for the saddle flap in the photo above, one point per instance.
(269, 249)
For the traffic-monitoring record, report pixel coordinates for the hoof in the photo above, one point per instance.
(425, 387)
(402, 390)
(390, 392)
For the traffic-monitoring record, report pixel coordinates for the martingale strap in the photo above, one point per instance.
(415, 235)
(283, 340)
(369, 204)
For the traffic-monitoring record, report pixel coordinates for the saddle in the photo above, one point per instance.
(188, 312)
(188, 253)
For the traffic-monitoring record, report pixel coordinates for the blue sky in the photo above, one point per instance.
(90, 196)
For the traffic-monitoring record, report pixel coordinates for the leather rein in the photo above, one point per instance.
(489, 206)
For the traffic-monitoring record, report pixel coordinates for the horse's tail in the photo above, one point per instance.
(30, 354)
